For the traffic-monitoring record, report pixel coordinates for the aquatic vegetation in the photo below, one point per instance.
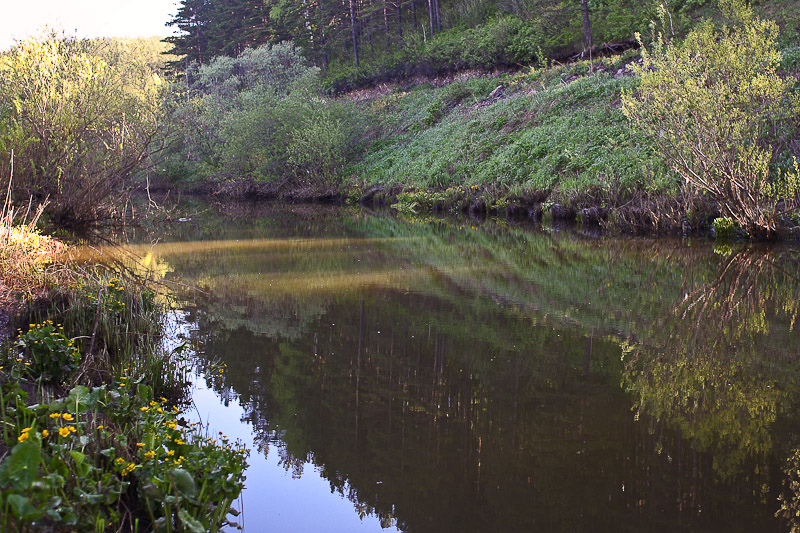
(87, 460)
(52, 356)
(112, 452)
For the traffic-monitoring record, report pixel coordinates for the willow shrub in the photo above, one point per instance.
(262, 116)
(718, 111)
(78, 125)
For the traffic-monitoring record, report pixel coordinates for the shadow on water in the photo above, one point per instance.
(445, 378)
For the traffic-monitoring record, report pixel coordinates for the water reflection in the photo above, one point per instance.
(469, 380)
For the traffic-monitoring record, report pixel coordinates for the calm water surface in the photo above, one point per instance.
(427, 375)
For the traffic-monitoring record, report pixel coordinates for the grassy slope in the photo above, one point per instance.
(556, 133)
(558, 130)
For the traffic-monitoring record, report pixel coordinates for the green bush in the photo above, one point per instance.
(78, 125)
(48, 353)
(717, 110)
(724, 228)
(262, 116)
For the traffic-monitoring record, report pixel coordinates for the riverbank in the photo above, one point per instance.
(91, 404)
(549, 143)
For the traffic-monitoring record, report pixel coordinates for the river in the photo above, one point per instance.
(448, 375)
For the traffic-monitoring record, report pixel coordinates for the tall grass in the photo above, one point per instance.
(25, 255)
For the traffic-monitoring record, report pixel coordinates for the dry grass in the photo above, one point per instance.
(26, 257)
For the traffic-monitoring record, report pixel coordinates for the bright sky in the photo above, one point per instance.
(85, 18)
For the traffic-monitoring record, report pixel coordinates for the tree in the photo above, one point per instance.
(78, 124)
(715, 107)
(587, 28)
(193, 19)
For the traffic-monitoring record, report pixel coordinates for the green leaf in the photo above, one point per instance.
(184, 482)
(81, 467)
(22, 466)
(190, 523)
(78, 399)
(22, 508)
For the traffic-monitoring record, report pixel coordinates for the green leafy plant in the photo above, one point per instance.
(724, 228)
(48, 352)
(81, 460)
(716, 109)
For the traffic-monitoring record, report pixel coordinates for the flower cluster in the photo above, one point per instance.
(46, 353)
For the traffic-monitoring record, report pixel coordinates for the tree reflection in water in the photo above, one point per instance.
(470, 381)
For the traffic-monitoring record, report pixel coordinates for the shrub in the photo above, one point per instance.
(717, 110)
(78, 125)
(52, 356)
(262, 116)
(83, 462)
(724, 228)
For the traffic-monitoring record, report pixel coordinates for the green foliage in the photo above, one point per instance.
(499, 42)
(790, 496)
(717, 110)
(77, 123)
(75, 461)
(48, 352)
(566, 139)
(261, 116)
(114, 326)
(451, 198)
(724, 228)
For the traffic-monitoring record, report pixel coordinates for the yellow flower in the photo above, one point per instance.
(45, 433)
(119, 460)
(64, 432)
(55, 415)
(160, 410)
(171, 453)
(140, 444)
(100, 427)
(68, 417)
(144, 409)
(153, 404)
(72, 429)
(149, 455)
(179, 442)
(23, 436)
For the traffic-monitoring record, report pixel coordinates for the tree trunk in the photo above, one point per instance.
(400, 20)
(587, 28)
(430, 15)
(386, 25)
(353, 31)
(437, 16)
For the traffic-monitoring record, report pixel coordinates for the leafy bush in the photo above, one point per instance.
(78, 126)
(262, 116)
(717, 110)
(79, 462)
(52, 356)
(724, 228)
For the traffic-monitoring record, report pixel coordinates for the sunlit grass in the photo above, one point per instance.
(26, 257)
